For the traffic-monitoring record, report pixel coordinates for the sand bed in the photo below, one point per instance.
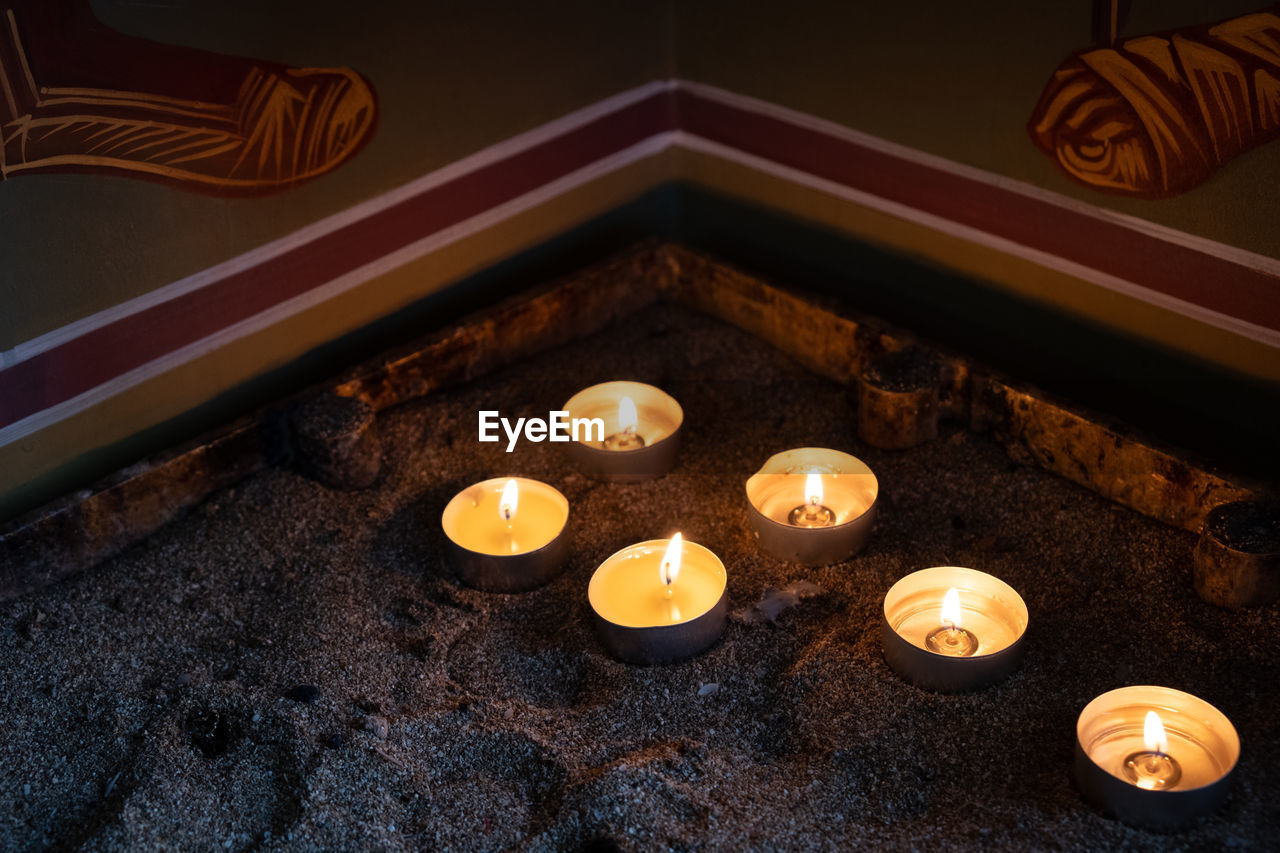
(155, 701)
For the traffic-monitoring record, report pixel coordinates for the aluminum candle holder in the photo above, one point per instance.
(953, 629)
(659, 601)
(1154, 756)
(641, 431)
(507, 534)
(1237, 560)
(812, 505)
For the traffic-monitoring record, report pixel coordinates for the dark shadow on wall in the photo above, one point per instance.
(1222, 416)
(1225, 417)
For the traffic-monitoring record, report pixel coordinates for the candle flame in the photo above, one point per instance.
(510, 500)
(951, 608)
(627, 417)
(669, 570)
(1153, 734)
(813, 488)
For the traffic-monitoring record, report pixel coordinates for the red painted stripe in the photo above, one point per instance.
(1182, 272)
(83, 363)
(98, 356)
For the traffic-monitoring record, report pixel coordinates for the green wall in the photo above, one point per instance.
(451, 78)
(954, 79)
(960, 79)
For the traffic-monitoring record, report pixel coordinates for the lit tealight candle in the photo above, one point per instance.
(507, 506)
(1154, 756)
(1153, 767)
(812, 505)
(626, 437)
(950, 628)
(507, 534)
(812, 513)
(659, 601)
(640, 434)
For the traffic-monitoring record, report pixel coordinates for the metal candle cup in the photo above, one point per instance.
(1237, 560)
(643, 620)
(977, 643)
(1161, 779)
(500, 544)
(641, 431)
(811, 521)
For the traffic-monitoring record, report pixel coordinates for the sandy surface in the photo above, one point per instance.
(158, 700)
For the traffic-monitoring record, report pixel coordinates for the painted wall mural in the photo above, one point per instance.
(1159, 114)
(81, 97)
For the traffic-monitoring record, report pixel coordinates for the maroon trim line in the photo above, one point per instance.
(96, 357)
(1178, 271)
(85, 362)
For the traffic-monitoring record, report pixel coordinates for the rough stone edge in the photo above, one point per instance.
(513, 330)
(1107, 457)
(86, 527)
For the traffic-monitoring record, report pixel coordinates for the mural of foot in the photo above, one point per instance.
(1160, 114)
(77, 96)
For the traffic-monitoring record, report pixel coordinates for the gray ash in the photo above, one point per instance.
(1249, 526)
(909, 369)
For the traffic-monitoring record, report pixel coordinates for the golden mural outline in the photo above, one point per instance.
(285, 127)
(1160, 114)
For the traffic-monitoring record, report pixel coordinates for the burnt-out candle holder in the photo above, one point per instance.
(1237, 560)
(898, 399)
(641, 435)
(335, 441)
(659, 601)
(953, 629)
(1154, 756)
(507, 534)
(812, 505)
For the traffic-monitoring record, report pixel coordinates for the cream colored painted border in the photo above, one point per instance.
(1012, 271)
(1061, 269)
(418, 249)
(1204, 245)
(1270, 337)
(471, 163)
(44, 462)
